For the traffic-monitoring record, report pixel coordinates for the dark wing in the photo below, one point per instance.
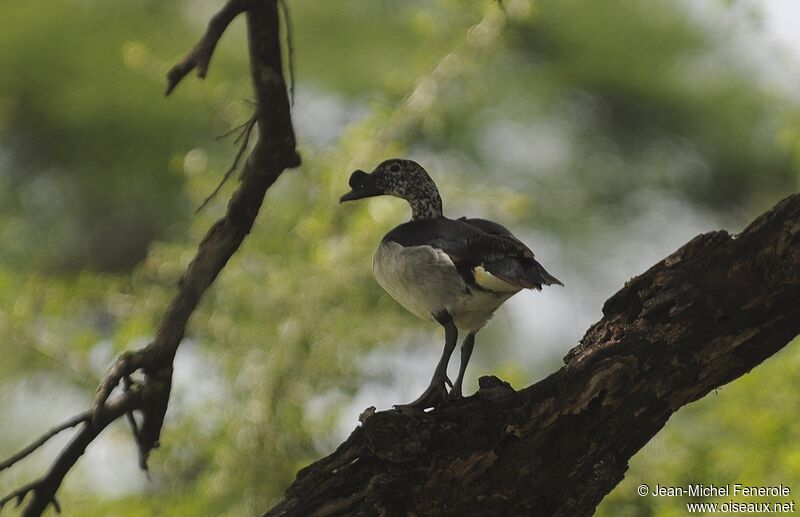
(499, 232)
(476, 242)
(523, 271)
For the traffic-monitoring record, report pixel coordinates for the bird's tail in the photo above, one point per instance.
(547, 278)
(527, 273)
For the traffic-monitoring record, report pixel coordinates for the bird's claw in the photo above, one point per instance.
(434, 395)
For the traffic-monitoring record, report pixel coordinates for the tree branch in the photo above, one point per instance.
(700, 318)
(273, 152)
(43, 491)
(246, 130)
(24, 453)
(200, 55)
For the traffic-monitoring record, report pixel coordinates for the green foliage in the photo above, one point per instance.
(87, 141)
(543, 115)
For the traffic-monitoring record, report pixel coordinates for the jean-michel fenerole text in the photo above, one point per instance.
(726, 490)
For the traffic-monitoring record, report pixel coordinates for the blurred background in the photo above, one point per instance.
(605, 134)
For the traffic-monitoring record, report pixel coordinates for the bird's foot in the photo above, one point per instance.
(434, 395)
(455, 394)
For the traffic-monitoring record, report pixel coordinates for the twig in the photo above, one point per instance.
(127, 384)
(200, 55)
(244, 136)
(236, 129)
(72, 422)
(44, 489)
(287, 22)
(22, 492)
(18, 494)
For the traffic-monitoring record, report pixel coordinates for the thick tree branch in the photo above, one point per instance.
(273, 152)
(703, 316)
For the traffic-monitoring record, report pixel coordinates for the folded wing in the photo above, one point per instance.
(478, 247)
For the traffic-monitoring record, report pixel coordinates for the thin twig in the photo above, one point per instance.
(127, 384)
(44, 489)
(233, 130)
(72, 422)
(247, 129)
(287, 22)
(244, 136)
(22, 492)
(18, 494)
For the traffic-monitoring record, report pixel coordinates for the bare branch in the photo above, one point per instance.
(128, 384)
(287, 22)
(44, 489)
(237, 129)
(18, 494)
(21, 493)
(200, 56)
(244, 137)
(273, 152)
(72, 422)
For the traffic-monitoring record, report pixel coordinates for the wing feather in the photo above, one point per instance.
(473, 243)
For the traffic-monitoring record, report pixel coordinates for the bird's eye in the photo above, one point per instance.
(394, 168)
(362, 186)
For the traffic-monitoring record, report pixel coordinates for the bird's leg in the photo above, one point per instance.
(436, 391)
(466, 353)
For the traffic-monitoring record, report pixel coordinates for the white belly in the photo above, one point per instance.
(425, 281)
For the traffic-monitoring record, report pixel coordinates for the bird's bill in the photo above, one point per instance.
(362, 185)
(355, 194)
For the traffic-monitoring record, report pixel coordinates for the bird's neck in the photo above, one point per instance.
(426, 205)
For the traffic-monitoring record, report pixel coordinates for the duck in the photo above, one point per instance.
(455, 272)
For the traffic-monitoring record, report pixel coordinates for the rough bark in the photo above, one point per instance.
(698, 319)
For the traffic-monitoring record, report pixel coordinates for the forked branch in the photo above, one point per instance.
(24, 453)
(243, 139)
(273, 152)
(42, 492)
(200, 56)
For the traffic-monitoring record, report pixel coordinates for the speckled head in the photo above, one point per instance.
(405, 179)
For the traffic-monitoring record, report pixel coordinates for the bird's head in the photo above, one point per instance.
(396, 177)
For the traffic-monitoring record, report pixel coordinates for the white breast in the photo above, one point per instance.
(425, 281)
(422, 279)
